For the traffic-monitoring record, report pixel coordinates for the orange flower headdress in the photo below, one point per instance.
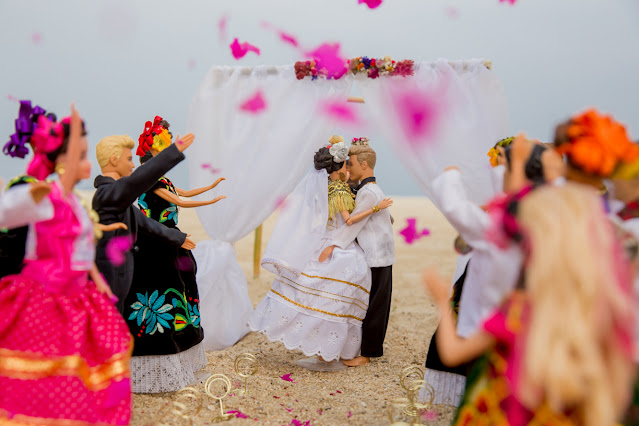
(596, 143)
(493, 153)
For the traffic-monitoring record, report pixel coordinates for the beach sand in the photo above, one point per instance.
(357, 396)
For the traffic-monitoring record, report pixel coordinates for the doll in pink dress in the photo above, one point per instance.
(64, 348)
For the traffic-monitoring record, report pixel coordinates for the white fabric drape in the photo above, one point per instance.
(471, 115)
(262, 156)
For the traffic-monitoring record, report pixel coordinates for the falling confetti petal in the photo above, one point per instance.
(238, 414)
(240, 50)
(287, 377)
(416, 113)
(327, 56)
(452, 12)
(36, 38)
(349, 414)
(13, 98)
(221, 26)
(372, 4)
(339, 391)
(192, 64)
(508, 1)
(116, 247)
(255, 104)
(319, 411)
(276, 397)
(284, 36)
(430, 415)
(183, 263)
(410, 233)
(341, 111)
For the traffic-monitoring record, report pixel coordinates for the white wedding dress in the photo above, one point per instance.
(315, 307)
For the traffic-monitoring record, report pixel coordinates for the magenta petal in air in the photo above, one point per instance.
(327, 56)
(410, 233)
(116, 248)
(255, 104)
(372, 4)
(239, 50)
(340, 111)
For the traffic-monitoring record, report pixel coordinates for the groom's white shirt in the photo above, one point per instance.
(373, 233)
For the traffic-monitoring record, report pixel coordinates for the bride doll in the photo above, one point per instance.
(317, 307)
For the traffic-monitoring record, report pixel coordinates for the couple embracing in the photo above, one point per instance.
(332, 252)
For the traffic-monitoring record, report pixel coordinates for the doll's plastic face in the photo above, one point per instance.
(124, 165)
(354, 168)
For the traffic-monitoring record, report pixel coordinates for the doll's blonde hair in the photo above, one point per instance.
(112, 146)
(574, 356)
(361, 148)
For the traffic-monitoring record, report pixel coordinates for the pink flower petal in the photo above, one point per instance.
(327, 56)
(255, 104)
(348, 415)
(276, 397)
(192, 64)
(287, 377)
(372, 4)
(296, 422)
(430, 415)
(288, 38)
(339, 391)
(240, 50)
(452, 12)
(410, 233)
(417, 113)
(319, 411)
(13, 98)
(238, 414)
(508, 1)
(221, 26)
(342, 111)
(36, 38)
(117, 247)
(184, 263)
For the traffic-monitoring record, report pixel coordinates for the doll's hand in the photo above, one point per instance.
(520, 149)
(214, 184)
(215, 200)
(112, 227)
(326, 253)
(103, 287)
(385, 203)
(188, 244)
(438, 289)
(349, 221)
(348, 176)
(39, 190)
(553, 165)
(184, 142)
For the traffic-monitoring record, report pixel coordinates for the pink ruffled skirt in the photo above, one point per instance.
(64, 357)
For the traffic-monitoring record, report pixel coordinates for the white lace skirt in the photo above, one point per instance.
(166, 373)
(449, 388)
(319, 310)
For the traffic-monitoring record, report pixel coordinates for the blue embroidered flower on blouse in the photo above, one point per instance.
(152, 311)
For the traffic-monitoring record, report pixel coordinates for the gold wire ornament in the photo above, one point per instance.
(245, 366)
(411, 379)
(187, 404)
(208, 388)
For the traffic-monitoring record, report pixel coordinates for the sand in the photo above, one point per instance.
(357, 396)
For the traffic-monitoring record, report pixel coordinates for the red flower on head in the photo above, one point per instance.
(146, 138)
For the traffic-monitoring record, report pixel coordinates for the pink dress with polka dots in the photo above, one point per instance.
(64, 348)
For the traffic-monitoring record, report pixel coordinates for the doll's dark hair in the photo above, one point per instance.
(62, 149)
(146, 157)
(324, 160)
(534, 169)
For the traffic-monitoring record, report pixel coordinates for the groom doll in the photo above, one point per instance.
(375, 236)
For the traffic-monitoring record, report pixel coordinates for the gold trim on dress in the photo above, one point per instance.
(355, 302)
(30, 366)
(23, 420)
(336, 280)
(279, 267)
(315, 309)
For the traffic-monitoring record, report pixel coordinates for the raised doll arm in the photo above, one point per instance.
(74, 152)
(197, 191)
(384, 204)
(453, 350)
(172, 198)
(25, 204)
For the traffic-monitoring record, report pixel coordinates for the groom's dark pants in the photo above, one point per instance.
(376, 321)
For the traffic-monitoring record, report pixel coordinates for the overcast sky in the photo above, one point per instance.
(124, 61)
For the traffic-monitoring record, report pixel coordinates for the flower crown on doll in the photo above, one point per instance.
(363, 141)
(337, 149)
(493, 153)
(25, 125)
(504, 227)
(154, 136)
(596, 143)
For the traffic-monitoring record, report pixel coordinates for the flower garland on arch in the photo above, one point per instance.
(371, 67)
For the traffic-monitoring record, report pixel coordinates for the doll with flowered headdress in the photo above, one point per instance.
(559, 349)
(60, 329)
(162, 307)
